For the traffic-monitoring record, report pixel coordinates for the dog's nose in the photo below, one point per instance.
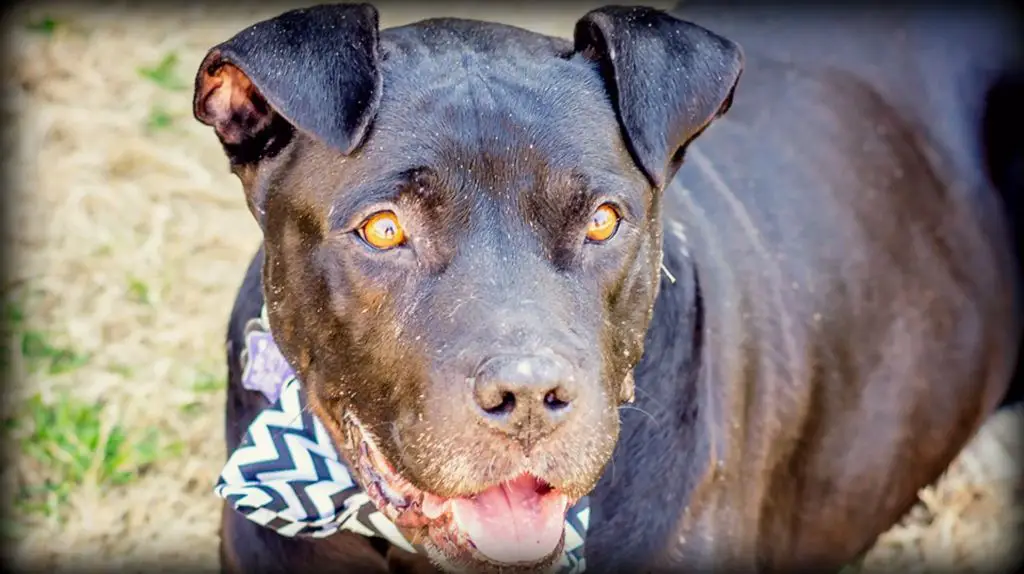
(524, 396)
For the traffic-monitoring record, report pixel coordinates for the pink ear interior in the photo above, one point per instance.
(228, 101)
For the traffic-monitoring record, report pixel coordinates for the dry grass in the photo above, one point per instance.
(134, 237)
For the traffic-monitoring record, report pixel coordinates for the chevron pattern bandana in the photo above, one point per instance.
(286, 474)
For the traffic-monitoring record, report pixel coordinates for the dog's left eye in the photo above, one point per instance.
(382, 231)
(603, 224)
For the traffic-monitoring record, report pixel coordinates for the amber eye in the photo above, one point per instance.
(603, 224)
(382, 230)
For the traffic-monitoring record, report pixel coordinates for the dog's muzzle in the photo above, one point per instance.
(287, 475)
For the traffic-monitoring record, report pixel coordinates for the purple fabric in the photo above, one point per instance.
(266, 370)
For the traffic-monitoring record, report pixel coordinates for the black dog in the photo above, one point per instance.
(476, 240)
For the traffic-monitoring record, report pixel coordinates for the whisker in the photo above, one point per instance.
(649, 415)
(641, 391)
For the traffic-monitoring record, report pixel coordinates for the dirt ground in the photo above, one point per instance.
(133, 237)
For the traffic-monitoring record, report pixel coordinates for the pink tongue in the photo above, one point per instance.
(512, 522)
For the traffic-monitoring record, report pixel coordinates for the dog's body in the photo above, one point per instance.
(834, 320)
(849, 248)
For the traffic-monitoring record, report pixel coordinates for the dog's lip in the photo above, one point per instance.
(424, 517)
(433, 506)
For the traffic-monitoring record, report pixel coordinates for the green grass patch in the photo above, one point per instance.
(205, 383)
(43, 356)
(191, 408)
(121, 369)
(138, 291)
(36, 347)
(11, 318)
(208, 382)
(165, 73)
(45, 25)
(68, 443)
(159, 119)
(13, 315)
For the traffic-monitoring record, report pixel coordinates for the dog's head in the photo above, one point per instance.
(463, 237)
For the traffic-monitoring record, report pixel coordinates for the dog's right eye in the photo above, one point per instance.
(382, 231)
(603, 224)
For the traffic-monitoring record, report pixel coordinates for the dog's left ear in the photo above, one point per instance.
(668, 79)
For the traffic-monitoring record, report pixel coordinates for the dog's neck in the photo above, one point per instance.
(664, 433)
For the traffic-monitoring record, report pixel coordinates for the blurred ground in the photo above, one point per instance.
(134, 237)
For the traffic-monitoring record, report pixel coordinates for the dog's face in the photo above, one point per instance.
(462, 235)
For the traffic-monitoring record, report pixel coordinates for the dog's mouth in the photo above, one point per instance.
(519, 522)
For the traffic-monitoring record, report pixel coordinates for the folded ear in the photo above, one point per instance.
(313, 69)
(667, 78)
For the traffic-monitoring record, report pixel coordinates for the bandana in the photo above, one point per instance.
(286, 474)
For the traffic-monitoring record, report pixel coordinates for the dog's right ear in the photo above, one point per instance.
(315, 70)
